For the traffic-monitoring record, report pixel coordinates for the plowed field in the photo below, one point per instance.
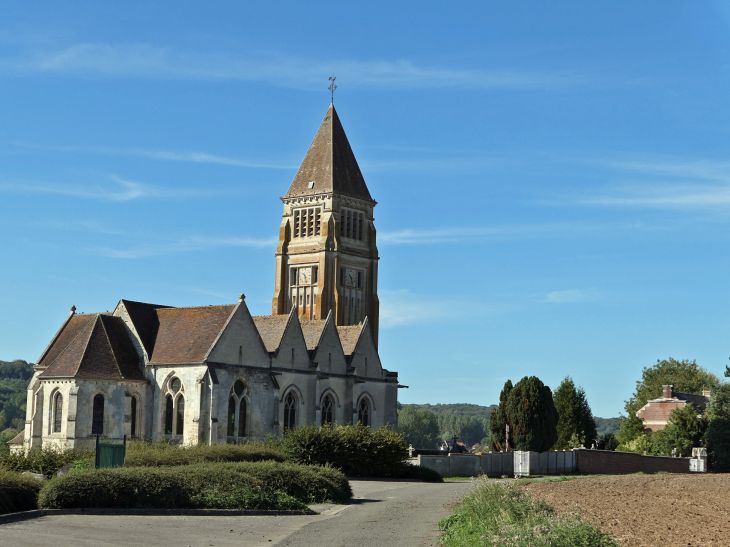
(648, 510)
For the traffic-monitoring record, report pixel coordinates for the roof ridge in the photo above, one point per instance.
(86, 345)
(222, 329)
(173, 308)
(111, 349)
(69, 344)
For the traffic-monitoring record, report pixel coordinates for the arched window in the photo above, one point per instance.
(133, 415)
(363, 412)
(97, 421)
(290, 411)
(242, 418)
(328, 410)
(231, 416)
(238, 388)
(169, 411)
(179, 426)
(57, 412)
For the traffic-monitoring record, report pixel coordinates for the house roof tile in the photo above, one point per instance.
(349, 336)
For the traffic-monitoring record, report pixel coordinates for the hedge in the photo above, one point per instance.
(18, 492)
(245, 485)
(46, 460)
(358, 451)
(158, 454)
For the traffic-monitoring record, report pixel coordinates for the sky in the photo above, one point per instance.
(553, 179)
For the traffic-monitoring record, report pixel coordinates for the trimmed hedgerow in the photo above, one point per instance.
(46, 460)
(245, 485)
(416, 472)
(357, 450)
(158, 454)
(18, 492)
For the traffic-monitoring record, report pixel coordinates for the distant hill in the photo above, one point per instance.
(607, 425)
(14, 378)
(459, 409)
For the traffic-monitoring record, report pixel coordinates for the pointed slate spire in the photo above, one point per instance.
(330, 165)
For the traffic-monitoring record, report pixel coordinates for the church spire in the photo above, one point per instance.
(330, 165)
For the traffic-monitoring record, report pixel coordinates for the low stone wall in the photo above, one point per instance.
(497, 464)
(619, 463)
(468, 465)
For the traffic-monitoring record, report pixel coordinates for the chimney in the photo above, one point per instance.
(667, 392)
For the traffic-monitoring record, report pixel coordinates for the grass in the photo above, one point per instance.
(499, 513)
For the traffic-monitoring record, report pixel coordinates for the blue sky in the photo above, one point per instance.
(553, 178)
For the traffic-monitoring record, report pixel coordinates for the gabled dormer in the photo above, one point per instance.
(284, 340)
(325, 346)
(360, 350)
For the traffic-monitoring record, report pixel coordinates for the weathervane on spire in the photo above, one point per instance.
(332, 87)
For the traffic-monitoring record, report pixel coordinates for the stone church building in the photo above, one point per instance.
(218, 374)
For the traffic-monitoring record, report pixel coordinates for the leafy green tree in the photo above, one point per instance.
(420, 427)
(683, 431)
(576, 425)
(686, 377)
(607, 442)
(529, 410)
(717, 437)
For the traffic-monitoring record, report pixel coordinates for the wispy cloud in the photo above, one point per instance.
(403, 307)
(154, 62)
(666, 183)
(184, 244)
(156, 154)
(571, 296)
(110, 188)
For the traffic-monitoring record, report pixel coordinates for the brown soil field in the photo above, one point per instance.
(648, 510)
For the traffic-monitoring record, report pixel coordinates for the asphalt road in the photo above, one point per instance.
(382, 513)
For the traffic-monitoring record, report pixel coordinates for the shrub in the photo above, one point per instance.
(416, 472)
(244, 485)
(718, 444)
(18, 492)
(161, 453)
(358, 451)
(46, 460)
(504, 514)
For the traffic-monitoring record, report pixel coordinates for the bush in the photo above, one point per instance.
(718, 444)
(18, 492)
(416, 472)
(357, 450)
(157, 454)
(46, 460)
(245, 485)
(504, 514)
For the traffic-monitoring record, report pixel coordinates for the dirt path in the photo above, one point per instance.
(649, 510)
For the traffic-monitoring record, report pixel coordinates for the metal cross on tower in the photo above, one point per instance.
(332, 87)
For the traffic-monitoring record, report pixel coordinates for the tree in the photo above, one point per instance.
(419, 427)
(717, 437)
(607, 442)
(529, 410)
(684, 431)
(575, 419)
(686, 377)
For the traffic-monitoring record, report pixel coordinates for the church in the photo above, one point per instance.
(214, 374)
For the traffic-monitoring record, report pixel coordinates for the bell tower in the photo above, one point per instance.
(326, 259)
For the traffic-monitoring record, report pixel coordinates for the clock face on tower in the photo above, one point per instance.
(351, 277)
(305, 276)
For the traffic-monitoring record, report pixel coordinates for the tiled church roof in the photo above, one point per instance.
(330, 164)
(145, 320)
(312, 331)
(70, 330)
(101, 349)
(349, 336)
(186, 335)
(271, 328)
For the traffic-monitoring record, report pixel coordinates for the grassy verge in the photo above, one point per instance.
(497, 513)
(18, 492)
(244, 485)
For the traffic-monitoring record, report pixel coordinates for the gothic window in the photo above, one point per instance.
(231, 416)
(307, 222)
(363, 412)
(97, 421)
(238, 388)
(169, 410)
(57, 412)
(328, 410)
(242, 418)
(180, 415)
(290, 411)
(133, 416)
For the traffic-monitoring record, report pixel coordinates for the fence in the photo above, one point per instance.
(581, 460)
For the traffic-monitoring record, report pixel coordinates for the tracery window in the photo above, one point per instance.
(57, 412)
(97, 420)
(231, 416)
(175, 408)
(290, 411)
(363, 412)
(237, 415)
(180, 425)
(328, 410)
(169, 414)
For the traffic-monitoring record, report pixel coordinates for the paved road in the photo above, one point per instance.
(403, 514)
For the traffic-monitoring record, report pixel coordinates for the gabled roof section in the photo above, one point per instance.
(186, 335)
(350, 336)
(272, 329)
(70, 329)
(312, 331)
(330, 164)
(145, 320)
(102, 349)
